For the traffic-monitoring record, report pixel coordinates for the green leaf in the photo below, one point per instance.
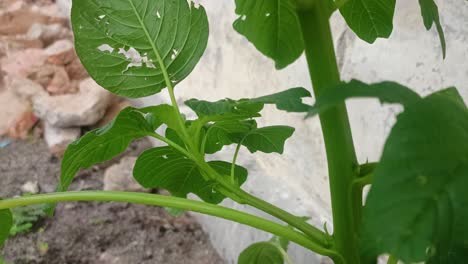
(273, 27)
(268, 139)
(386, 92)
(289, 100)
(455, 255)
(418, 199)
(26, 216)
(223, 109)
(166, 168)
(225, 133)
(124, 44)
(430, 14)
(6, 222)
(107, 142)
(261, 253)
(369, 19)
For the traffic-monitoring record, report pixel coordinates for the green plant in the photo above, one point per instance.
(416, 209)
(25, 217)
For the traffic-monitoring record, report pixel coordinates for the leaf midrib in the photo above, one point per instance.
(153, 46)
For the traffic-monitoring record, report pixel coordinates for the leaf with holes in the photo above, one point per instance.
(105, 143)
(417, 204)
(386, 92)
(430, 14)
(128, 46)
(369, 19)
(273, 27)
(166, 168)
(6, 222)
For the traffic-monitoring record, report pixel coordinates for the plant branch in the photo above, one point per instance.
(174, 202)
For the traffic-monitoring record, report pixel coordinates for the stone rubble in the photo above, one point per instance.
(119, 177)
(44, 88)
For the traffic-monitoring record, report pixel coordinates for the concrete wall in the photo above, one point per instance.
(297, 181)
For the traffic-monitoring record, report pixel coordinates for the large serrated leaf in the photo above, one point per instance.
(165, 168)
(124, 44)
(369, 19)
(105, 143)
(417, 204)
(273, 27)
(430, 14)
(6, 222)
(386, 92)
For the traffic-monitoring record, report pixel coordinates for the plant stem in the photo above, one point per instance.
(242, 197)
(339, 146)
(174, 202)
(234, 160)
(392, 260)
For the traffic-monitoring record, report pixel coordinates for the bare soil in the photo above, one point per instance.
(95, 233)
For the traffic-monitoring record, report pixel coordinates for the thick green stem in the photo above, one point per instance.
(336, 129)
(174, 202)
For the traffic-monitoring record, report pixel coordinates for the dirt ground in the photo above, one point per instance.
(95, 233)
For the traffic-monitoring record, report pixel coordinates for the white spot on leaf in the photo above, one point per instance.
(158, 14)
(267, 14)
(106, 47)
(174, 54)
(243, 18)
(102, 16)
(136, 60)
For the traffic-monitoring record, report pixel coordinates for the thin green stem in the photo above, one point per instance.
(229, 190)
(339, 145)
(392, 260)
(233, 165)
(283, 252)
(173, 144)
(363, 181)
(173, 202)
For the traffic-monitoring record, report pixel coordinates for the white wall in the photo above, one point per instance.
(297, 181)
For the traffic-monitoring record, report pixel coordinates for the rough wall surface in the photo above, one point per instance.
(297, 181)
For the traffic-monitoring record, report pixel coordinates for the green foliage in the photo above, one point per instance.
(430, 14)
(386, 92)
(6, 222)
(261, 252)
(267, 139)
(131, 47)
(273, 251)
(273, 27)
(289, 101)
(105, 143)
(418, 197)
(369, 19)
(25, 217)
(165, 168)
(416, 208)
